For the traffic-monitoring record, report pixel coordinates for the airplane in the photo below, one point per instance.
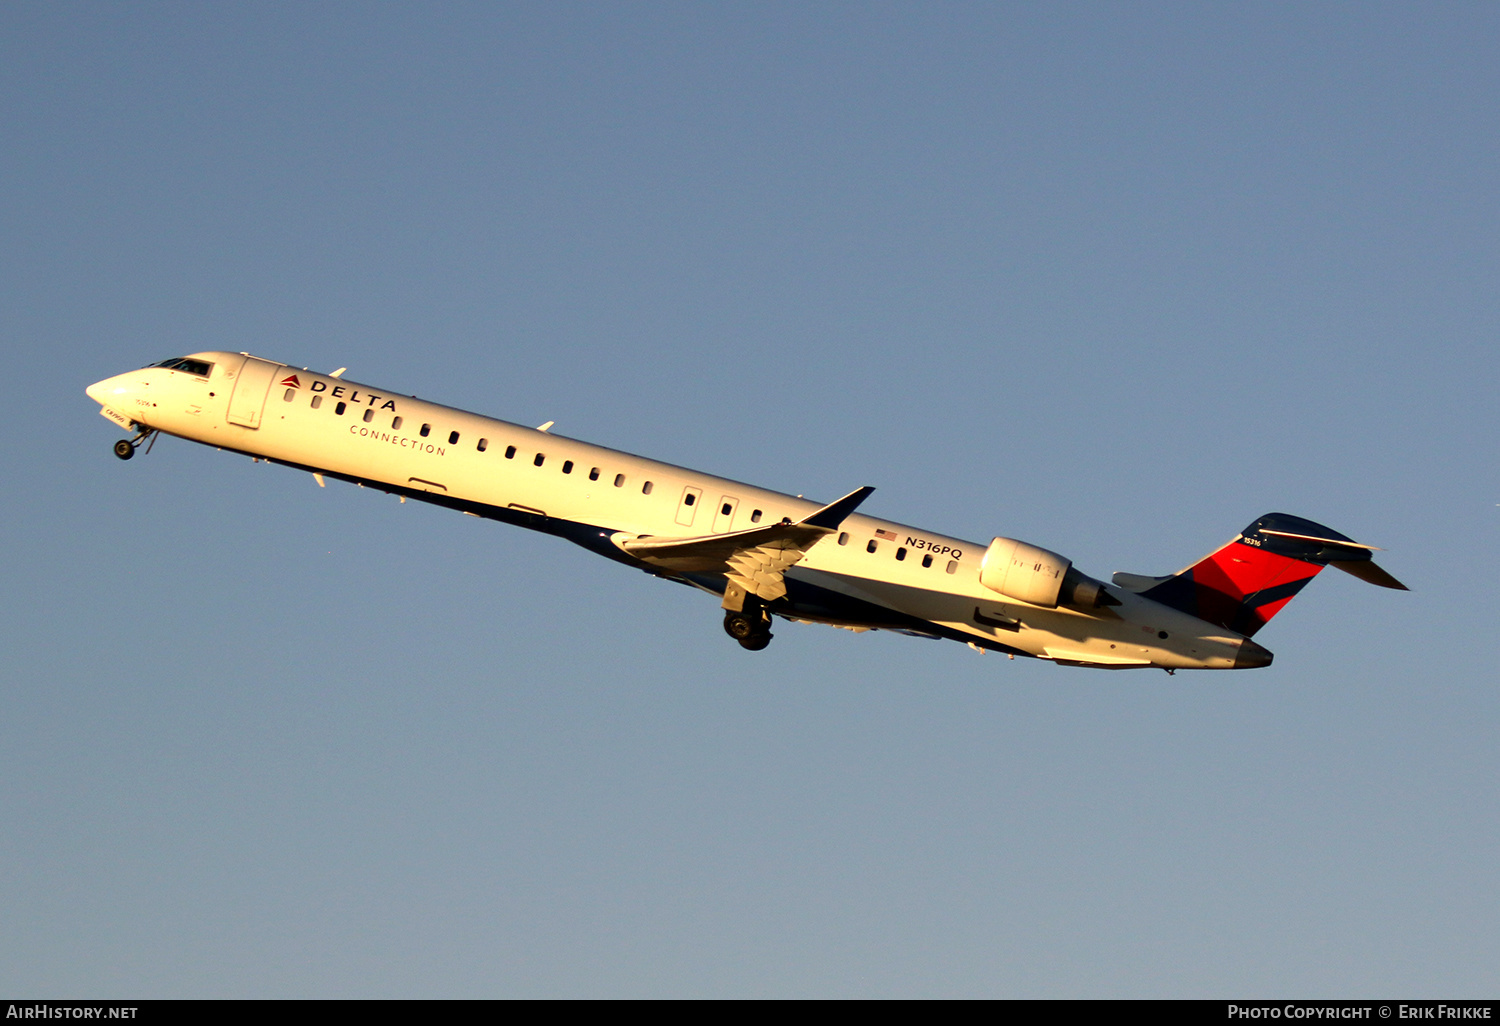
(762, 553)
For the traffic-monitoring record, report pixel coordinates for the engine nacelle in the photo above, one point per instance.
(1023, 572)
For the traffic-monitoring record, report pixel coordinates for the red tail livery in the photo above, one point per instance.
(1245, 583)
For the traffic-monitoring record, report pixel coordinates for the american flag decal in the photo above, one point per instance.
(887, 535)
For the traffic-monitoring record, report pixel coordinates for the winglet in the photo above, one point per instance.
(832, 515)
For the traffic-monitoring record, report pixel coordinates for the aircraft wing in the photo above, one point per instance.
(755, 559)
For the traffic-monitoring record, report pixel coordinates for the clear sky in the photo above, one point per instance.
(1112, 278)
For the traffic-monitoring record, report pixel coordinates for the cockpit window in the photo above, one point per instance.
(186, 365)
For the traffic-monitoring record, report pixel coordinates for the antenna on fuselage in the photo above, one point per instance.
(338, 372)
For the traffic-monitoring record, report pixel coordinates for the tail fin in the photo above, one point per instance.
(1245, 583)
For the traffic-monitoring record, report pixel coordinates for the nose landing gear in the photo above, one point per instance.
(125, 448)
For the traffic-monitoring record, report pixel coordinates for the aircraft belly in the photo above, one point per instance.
(949, 610)
(1071, 636)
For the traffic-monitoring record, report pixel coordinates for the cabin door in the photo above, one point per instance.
(724, 514)
(687, 506)
(248, 403)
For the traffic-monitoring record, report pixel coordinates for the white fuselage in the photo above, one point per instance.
(869, 573)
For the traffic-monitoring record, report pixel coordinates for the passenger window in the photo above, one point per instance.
(289, 394)
(952, 566)
(483, 444)
(369, 416)
(510, 452)
(872, 546)
(927, 560)
(689, 499)
(567, 466)
(395, 423)
(755, 517)
(901, 554)
(317, 401)
(541, 458)
(340, 408)
(726, 509)
(646, 488)
(843, 537)
(426, 430)
(619, 480)
(452, 437)
(594, 474)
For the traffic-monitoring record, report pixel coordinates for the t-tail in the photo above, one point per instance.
(1245, 583)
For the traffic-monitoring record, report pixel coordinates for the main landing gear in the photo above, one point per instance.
(750, 627)
(125, 448)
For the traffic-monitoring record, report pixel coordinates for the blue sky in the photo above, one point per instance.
(1112, 278)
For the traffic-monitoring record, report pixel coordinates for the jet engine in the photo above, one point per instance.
(1039, 577)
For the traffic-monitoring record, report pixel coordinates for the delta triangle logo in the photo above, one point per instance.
(291, 381)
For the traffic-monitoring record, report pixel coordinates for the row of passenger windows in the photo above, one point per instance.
(594, 474)
(873, 546)
(483, 444)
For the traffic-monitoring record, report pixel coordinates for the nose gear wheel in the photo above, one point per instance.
(125, 448)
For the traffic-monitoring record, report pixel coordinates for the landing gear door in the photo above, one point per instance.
(248, 403)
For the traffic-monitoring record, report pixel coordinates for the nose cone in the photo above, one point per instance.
(1251, 656)
(103, 392)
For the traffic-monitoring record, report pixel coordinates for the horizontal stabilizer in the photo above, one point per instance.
(1137, 583)
(1367, 571)
(1336, 539)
